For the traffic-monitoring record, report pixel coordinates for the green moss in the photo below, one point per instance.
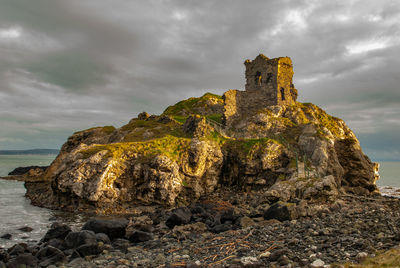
(141, 130)
(248, 144)
(281, 177)
(171, 146)
(108, 129)
(215, 117)
(180, 118)
(248, 148)
(136, 123)
(217, 137)
(194, 105)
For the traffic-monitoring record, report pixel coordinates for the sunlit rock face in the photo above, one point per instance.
(279, 148)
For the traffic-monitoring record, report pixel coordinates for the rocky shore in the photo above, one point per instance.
(225, 230)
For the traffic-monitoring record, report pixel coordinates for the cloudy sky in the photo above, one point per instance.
(71, 65)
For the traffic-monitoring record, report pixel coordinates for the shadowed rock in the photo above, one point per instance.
(112, 228)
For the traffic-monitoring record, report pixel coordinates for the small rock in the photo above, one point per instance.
(139, 236)
(121, 244)
(361, 256)
(317, 263)
(275, 255)
(50, 255)
(246, 222)
(264, 255)
(248, 260)
(179, 216)
(143, 116)
(6, 236)
(102, 237)
(380, 235)
(23, 260)
(26, 229)
(17, 249)
(304, 262)
(221, 228)
(160, 258)
(88, 250)
(283, 260)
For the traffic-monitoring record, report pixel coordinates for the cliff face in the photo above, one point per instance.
(281, 152)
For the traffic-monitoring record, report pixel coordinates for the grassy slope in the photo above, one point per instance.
(181, 110)
(157, 137)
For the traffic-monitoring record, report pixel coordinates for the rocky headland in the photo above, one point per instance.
(248, 179)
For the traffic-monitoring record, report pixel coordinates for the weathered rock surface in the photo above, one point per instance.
(284, 152)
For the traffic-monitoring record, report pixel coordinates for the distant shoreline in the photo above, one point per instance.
(30, 152)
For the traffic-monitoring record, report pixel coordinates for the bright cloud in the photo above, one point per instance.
(367, 46)
(10, 33)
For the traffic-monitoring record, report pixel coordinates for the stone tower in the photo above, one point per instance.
(268, 83)
(272, 78)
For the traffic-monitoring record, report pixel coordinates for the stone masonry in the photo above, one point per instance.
(268, 83)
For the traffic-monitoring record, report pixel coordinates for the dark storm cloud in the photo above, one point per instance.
(66, 65)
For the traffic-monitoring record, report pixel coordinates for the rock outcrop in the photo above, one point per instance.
(282, 152)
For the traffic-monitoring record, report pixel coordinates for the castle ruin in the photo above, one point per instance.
(268, 83)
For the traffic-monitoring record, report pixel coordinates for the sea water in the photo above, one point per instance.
(17, 212)
(389, 183)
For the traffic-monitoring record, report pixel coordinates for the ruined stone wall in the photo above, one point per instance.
(268, 83)
(261, 75)
(286, 93)
(230, 106)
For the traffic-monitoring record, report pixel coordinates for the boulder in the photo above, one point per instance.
(76, 239)
(281, 211)
(26, 229)
(4, 256)
(89, 249)
(23, 260)
(17, 249)
(50, 255)
(57, 243)
(143, 116)
(179, 216)
(57, 230)
(101, 237)
(6, 236)
(112, 228)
